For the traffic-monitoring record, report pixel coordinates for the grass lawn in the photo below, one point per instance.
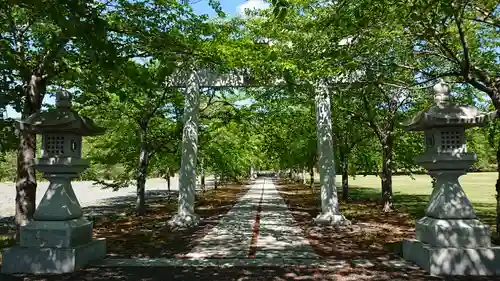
(480, 187)
(5, 241)
(412, 194)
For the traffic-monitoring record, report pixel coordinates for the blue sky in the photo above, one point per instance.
(230, 7)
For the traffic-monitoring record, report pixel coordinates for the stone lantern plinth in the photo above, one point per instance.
(450, 240)
(59, 240)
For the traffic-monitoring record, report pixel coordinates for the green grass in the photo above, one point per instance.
(5, 242)
(412, 195)
(479, 187)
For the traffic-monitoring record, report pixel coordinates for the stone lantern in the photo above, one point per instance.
(59, 240)
(450, 240)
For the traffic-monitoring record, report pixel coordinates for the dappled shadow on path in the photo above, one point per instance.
(187, 273)
(258, 226)
(346, 273)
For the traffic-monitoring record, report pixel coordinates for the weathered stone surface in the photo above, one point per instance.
(184, 220)
(453, 233)
(445, 113)
(448, 199)
(453, 261)
(51, 260)
(59, 202)
(186, 216)
(450, 239)
(59, 240)
(61, 119)
(56, 234)
(330, 212)
(331, 219)
(69, 167)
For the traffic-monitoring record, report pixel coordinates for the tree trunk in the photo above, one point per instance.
(311, 175)
(497, 186)
(168, 185)
(215, 182)
(26, 179)
(386, 174)
(26, 176)
(142, 171)
(345, 177)
(202, 176)
(304, 177)
(166, 176)
(203, 180)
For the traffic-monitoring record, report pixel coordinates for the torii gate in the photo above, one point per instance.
(204, 78)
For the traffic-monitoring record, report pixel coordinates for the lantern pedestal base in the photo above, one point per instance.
(51, 260)
(53, 247)
(453, 261)
(56, 234)
(453, 233)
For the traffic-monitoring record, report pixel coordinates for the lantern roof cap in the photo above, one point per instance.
(61, 119)
(445, 113)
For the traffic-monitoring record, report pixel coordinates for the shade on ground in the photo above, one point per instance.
(258, 226)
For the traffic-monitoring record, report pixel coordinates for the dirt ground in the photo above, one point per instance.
(367, 245)
(373, 239)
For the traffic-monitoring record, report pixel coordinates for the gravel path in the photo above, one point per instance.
(88, 194)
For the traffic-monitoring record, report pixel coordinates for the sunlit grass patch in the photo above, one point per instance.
(5, 242)
(479, 187)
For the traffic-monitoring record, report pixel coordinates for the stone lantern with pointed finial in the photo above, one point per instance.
(450, 240)
(59, 239)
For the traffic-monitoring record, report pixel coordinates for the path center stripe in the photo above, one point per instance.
(256, 227)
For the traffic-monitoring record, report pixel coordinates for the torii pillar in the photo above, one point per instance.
(330, 213)
(192, 82)
(186, 216)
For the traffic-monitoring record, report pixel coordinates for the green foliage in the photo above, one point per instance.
(8, 166)
(118, 55)
(138, 104)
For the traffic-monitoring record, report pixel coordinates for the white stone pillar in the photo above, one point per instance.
(330, 213)
(186, 217)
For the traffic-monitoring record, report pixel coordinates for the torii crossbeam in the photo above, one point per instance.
(206, 78)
